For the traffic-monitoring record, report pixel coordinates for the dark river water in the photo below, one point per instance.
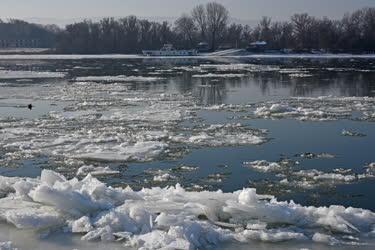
(81, 106)
(288, 137)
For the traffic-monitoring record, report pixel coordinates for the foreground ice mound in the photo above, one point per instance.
(172, 218)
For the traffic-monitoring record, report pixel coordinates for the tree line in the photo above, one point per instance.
(210, 23)
(18, 29)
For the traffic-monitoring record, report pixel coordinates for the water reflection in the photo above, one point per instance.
(212, 93)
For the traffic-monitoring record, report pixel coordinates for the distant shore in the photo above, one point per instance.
(49, 56)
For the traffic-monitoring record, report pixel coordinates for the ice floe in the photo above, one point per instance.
(317, 108)
(264, 166)
(309, 155)
(9, 74)
(346, 132)
(308, 178)
(217, 135)
(300, 75)
(120, 78)
(211, 75)
(172, 217)
(96, 171)
(163, 177)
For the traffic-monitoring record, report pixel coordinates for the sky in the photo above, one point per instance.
(240, 9)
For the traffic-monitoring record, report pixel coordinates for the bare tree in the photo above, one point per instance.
(211, 20)
(265, 29)
(233, 35)
(303, 30)
(185, 28)
(217, 20)
(200, 18)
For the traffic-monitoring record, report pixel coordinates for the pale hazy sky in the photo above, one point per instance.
(243, 9)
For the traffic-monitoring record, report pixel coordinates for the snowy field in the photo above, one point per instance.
(125, 152)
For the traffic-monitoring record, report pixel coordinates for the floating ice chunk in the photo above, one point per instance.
(7, 246)
(264, 166)
(211, 75)
(82, 225)
(309, 155)
(6, 185)
(325, 238)
(346, 132)
(227, 67)
(217, 177)
(238, 67)
(300, 75)
(163, 177)
(325, 108)
(159, 240)
(269, 235)
(312, 178)
(247, 197)
(319, 175)
(154, 113)
(25, 215)
(103, 233)
(120, 78)
(370, 167)
(140, 151)
(96, 171)
(185, 168)
(273, 109)
(50, 177)
(283, 111)
(293, 71)
(65, 200)
(7, 74)
(223, 135)
(23, 187)
(336, 177)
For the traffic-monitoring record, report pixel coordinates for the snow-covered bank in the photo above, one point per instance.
(172, 217)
